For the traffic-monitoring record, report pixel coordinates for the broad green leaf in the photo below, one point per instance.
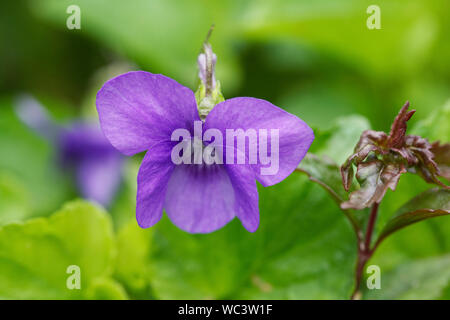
(325, 173)
(310, 252)
(421, 279)
(133, 252)
(105, 289)
(35, 255)
(334, 145)
(432, 203)
(292, 235)
(339, 141)
(408, 187)
(203, 266)
(428, 238)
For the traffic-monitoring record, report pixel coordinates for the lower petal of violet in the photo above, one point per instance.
(246, 206)
(153, 177)
(200, 198)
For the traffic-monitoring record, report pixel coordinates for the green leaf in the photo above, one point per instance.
(335, 145)
(339, 141)
(432, 203)
(35, 255)
(309, 251)
(201, 266)
(421, 279)
(426, 239)
(330, 148)
(231, 262)
(325, 173)
(105, 289)
(133, 252)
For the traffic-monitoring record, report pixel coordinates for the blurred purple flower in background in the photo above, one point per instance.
(139, 111)
(81, 147)
(98, 166)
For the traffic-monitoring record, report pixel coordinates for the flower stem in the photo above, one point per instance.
(371, 225)
(364, 251)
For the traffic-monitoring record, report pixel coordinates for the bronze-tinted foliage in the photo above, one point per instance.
(380, 159)
(442, 158)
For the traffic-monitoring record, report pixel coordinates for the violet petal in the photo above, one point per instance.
(295, 136)
(246, 195)
(200, 198)
(97, 165)
(98, 178)
(139, 109)
(34, 115)
(154, 174)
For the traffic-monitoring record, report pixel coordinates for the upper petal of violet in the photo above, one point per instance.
(139, 109)
(295, 136)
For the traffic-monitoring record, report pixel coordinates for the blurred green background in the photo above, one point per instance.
(316, 59)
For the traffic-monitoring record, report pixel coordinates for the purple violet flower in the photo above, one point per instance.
(140, 111)
(81, 147)
(96, 164)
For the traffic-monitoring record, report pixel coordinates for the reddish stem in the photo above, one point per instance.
(371, 226)
(364, 250)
